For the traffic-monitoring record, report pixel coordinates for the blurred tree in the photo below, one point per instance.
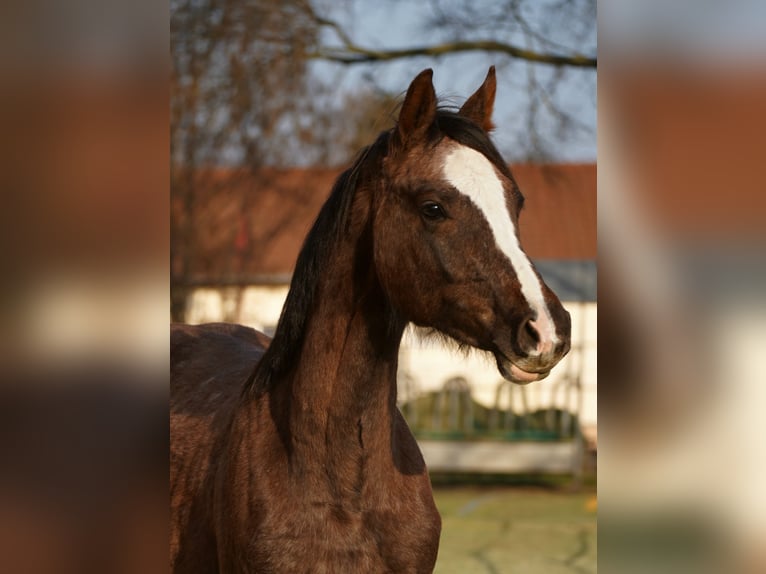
(554, 40)
(237, 86)
(351, 122)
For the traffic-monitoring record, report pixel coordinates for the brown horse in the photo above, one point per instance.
(295, 458)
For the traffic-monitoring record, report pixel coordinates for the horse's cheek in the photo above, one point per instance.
(396, 264)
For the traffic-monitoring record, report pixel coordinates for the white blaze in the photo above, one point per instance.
(473, 175)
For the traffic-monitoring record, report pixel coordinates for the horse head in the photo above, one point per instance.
(446, 236)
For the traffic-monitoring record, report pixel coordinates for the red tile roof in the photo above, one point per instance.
(253, 224)
(559, 217)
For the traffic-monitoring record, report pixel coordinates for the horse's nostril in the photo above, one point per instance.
(529, 337)
(532, 332)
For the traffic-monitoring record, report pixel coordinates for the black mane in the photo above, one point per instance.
(317, 248)
(328, 229)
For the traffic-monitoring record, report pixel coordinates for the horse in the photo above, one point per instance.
(290, 455)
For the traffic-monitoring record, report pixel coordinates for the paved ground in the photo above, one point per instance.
(516, 530)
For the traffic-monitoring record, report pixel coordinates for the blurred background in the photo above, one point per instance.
(682, 231)
(106, 106)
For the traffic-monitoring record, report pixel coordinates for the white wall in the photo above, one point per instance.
(427, 363)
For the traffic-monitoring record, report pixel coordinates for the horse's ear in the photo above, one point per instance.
(479, 106)
(419, 107)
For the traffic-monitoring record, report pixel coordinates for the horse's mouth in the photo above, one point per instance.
(512, 372)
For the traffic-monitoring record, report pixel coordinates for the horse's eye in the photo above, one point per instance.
(432, 210)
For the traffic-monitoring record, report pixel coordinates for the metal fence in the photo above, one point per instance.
(514, 435)
(452, 412)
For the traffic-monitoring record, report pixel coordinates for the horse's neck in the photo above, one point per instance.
(347, 365)
(340, 398)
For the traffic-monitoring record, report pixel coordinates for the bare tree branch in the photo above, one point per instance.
(351, 53)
